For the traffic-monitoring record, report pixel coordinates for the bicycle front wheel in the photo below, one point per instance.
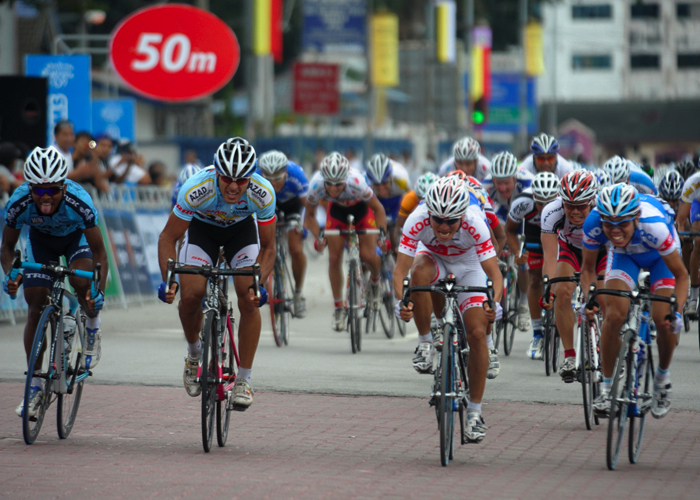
(39, 367)
(619, 400)
(445, 411)
(586, 373)
(548, 331)
(229, 369)
(386, 310)
(75, 374)
(208, 379)
(644, 400)
(511, 313)
(354, 316)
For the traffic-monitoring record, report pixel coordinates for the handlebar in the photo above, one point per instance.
(448, 288)
(208, 271)
(634, 297)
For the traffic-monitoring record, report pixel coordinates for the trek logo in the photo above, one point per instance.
(37, 220)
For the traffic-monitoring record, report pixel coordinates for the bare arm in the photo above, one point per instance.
(588, 274)
(674, 262)
(550, 250)
(99, 253)
(7, 250)
(379, 213)
(499, 237)
(266, 257)
(512, 228)
(403, 265)
(310, 221)
(492, 270)
(174, 229)
(682, 216)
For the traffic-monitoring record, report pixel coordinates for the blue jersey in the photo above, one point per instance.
(296, 186)
(201, 198)
(76, 211)
(501, 207)
(642, 182)
(176, 191)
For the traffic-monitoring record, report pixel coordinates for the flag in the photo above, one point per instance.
(267, 36)
(445, 30)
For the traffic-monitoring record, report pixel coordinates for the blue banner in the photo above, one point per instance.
(335, 25)
(114, 117)
(69, 89)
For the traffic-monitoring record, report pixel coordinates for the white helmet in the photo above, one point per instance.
(235, 158)
(45, 166)
(423, 183)
(504, 165)
(188, 171)
(545, 187)
(603, 178)
(618, 169)
(379, 169)
(272, 163)
(448, 198)
(466, 149)
(335, 167)
(618, 200)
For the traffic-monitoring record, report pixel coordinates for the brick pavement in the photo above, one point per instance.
(144, 442)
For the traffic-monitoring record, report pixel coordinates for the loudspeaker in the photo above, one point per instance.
(23, 110)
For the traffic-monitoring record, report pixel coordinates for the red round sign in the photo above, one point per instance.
(174, 52)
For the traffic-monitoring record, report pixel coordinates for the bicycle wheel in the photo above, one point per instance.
(223, 412)
(586, 373)
(207, 379)
(288, 303)
(275, 318)
(446, 413)
(644, 399)
(548, 331)
(620, 397)
(45, 333)
(512, 315)
(556, 346)
(353, 300)
(386, 310)
(278, 304)
(75, 374)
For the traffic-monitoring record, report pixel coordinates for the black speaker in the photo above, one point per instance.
(23, 110)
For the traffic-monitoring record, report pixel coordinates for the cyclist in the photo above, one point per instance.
(603, 178)
(686, 169)
(639, 235)
(187, 171)
(448, 235)
(690, 207)
(545, 157)
(467, 157)
(225, 205)
(525, 213)
(625, 171)
(562, 234)
(414, 198)
(504, 184)
(348, 194)
(389, 181)
(291, 185)
(62, 221)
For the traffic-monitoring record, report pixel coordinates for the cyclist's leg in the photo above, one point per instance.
(694, 258)
(368, 245)
(568, 262)
(426, 269)
(475, 322)
(336, 247)
(296, 252)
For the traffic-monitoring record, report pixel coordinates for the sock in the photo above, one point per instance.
(537, 328)
(428, 337)
(522, 300)
(607, 384)
(93, 323)
(489, 341)
(37, 382)
(244, 373)
(474, 407)
(375, 280)
(338, 304)
(662, 377)
(297, 291)
(569, 353)
(195, 350)
(694, 292)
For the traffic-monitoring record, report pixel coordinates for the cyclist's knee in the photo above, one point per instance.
(422, 275)
(334, 259)
(190, 301)
(615, 316)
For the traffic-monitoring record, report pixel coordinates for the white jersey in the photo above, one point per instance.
(356, 190)
(563, 166)
(554, 221)
(523, 208)
(501, 207)
(483, 167)
(470, 245)
(691, 189)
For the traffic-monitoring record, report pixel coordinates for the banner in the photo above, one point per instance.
(445, 30)
(335, 26)
(534, 51)
(385, 50)
(114, 117)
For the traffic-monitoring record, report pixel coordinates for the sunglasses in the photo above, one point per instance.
(51, 191)
(621, 223)
(276, 178)
(242, 181)
(440, 221)
(334, 184)
(575, 206)
(546, 157)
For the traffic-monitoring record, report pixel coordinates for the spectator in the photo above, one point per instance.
(64, 137)
(128, 166)
(86, 169)
(103, 151)
(9, 154)
(158, 173)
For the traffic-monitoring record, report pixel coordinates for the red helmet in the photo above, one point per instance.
(462, 176)
(578, 187)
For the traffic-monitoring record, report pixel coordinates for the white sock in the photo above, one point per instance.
(694, 292)
(244, 373)
(428, 337)
(37, 382)
(522, 300)
(93, 323)
(489, 340)
(474, 407)
(195, 350)
(662, 377)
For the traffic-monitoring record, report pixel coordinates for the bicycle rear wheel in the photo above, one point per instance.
(556, 346)
(279, 309)
(644, 399)
(619, 401)
(386, 310)
(512, 315)
(208, 379)
(586, 372)
(229, 369)
(45, 333)
(445, 411)
(75, 373)
(353, 299)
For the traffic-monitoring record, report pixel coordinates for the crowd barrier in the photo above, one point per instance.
(131, 219)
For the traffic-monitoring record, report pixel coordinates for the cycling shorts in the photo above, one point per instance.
(391, 207)
(337, 216)
(574, 257)
(44, 248)
(626, 267)
(466, 275)
(203, 242)
(695, 211)
(293, 208)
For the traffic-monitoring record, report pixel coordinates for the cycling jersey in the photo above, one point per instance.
(409, 204)
(563, 166)
(483, 167)
(554, 221)
(176, 191)
(76, 211)
(524, 209)
(201, 198)
(399, 187)
(691, 189)
(501, 207)
(642, 182)
(296, 185)
(356, 190)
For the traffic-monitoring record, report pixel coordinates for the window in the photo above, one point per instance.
(644, 61)
(688, 61)
(687, 10)
(591, 62)
(644, 10)
(601, 11)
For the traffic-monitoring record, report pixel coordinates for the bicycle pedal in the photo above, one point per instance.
(236, 407)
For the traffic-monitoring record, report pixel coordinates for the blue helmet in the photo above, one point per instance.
(544, 144)
(188, 171)
(618, 200)
(379, 169)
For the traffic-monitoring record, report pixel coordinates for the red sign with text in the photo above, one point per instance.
(316, 89)
(174, 52)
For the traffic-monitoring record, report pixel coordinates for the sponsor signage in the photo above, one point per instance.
(316, 89)
(115, 117)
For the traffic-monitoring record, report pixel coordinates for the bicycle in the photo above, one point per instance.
(552, 340)
(507, 325)
(355, 298)
(62, 371)
(219, 361)
(451, 385)
(631, 397)
(385, 311)
(280, 282)
(689, 315)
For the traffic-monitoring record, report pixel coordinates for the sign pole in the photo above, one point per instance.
(522, 135)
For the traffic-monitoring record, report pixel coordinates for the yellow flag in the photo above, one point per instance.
(534, 52)
(261, 35)
(385, 50)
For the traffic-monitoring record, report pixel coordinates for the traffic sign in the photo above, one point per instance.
(174, 52)
(316, 89)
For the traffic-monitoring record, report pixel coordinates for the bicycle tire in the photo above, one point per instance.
(548, 332)
(48, 322)
(620, 394)
(556, 348)
(509, 326)
(288, 303)
(386, 310)
(638, 421)
(209, 356)
(275, 319)
(223, 412)
(446, 413)
(585, 372)
(353, 319)
(68, 404)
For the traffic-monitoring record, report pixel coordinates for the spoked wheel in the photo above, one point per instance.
(354, 317)
(386, 309)
(644, 399)
(446, 414)
(620, 396)
(586, 372)
(75, 376)
(511, 312)
(229, 368)
(46, 331)
(548, 331)
(208, 380)
(556, 346)
(279, 314)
